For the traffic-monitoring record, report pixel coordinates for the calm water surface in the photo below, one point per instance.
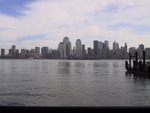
(71, 83)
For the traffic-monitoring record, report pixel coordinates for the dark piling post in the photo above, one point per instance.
(134, 65)
(130, 59)
(140, 65)
(136, 57)
(143, 59)
(149, 69)
(126, 64)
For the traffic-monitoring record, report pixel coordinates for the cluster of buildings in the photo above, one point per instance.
(100, 50)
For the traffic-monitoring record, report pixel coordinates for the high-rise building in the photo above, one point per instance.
(78, 48)
(125, 47)
(32, 51)
(62, 47)
(140, 50)
(83, 50)
(147, 50)
(37, 51)
(106, 44)
(115, 46)
(44, 50)
(96, 48)
(13, 50)
(100, 45)
(56, 54)
(10, 52)
(89, 51)
(68, 46)
(2, 52)
(17, 53)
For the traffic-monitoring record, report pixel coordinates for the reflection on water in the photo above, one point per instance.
(64, 67)
(71, 83)
(138, 77)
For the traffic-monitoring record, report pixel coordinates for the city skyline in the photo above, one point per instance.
(65, 50)
(31, 23)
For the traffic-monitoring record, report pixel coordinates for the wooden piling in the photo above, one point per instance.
(140, 66)
(149, 69)
(143, 59)
(134, 65)
(126, 65)
(130, 59)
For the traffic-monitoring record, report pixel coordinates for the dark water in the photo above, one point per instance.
(70, 83)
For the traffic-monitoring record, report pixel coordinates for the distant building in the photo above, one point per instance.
(96, 43)
(78, 48)
(83, 50)
(106, 44)
(17, 53)
(140, 50)
(32, 51)
(45, 52)
(62, 47)
(37, 51)
(10, 52)
(89, 50)
(147, 50)
(56, 54)
(13, 50)
(68, 46)
(2, 52)
(115, 45)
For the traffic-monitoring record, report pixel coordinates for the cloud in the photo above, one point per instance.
(120, 20)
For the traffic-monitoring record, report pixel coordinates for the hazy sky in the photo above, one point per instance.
(30, 23)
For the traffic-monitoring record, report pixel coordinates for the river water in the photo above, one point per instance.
(71, 83)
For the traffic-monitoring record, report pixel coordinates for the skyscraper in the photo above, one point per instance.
(140, 50)
(13, 50)
(106, 44)
(96, 48)
(44, 50)
(62, 47)
(37, 51)
(68, 46)
(78, 48)
(2, 52)
(115, 45)
(83, 50)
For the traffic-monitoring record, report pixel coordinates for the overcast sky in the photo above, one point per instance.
(30, 23)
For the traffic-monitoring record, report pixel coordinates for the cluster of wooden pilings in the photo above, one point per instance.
(138, 66)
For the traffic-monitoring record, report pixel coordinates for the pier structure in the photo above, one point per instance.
(139, 65)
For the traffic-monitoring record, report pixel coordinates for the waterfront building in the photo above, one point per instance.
(44, 50)
(56, 54)
(140, 50)
(62, 47)
(89, 51)
(106, 44)
(83, 50)
(74, 51)
(2, 52)
(147, 50)
(115, 46)
(32, 51)
(67, 42)
(17, 53)
(96, 48)
(37, 51)
(13, 50)
(10, 52)
(78, 48)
